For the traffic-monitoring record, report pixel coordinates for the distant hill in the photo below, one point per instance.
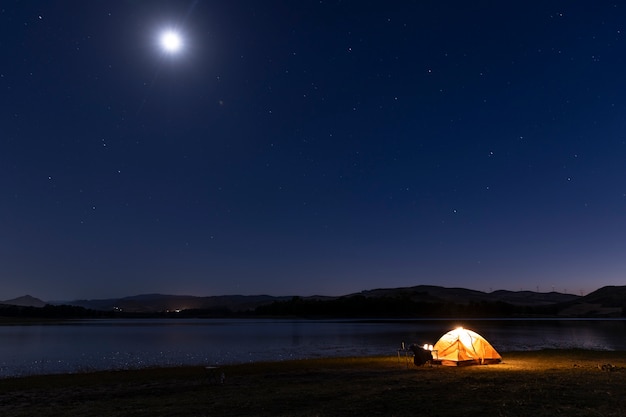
(25, 301)
(151, 303)
(610, 296)
(532, 298)
(432, 293)
(608, 301)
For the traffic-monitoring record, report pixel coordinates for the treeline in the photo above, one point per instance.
(361, 306)
(356, 306)
(50, 312)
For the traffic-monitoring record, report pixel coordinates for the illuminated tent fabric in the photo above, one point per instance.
(464, 347)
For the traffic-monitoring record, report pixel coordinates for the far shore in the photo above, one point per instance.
(537, 383)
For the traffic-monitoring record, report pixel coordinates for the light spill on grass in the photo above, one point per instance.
(545, 383)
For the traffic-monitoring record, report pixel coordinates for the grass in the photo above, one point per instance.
(544, 383)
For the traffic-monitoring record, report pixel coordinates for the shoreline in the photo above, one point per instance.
(542, 383)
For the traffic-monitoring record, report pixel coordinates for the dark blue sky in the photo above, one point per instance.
(311, 147)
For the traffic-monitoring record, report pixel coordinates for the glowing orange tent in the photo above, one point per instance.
(464, 347)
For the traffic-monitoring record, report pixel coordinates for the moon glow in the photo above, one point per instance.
(171, 41)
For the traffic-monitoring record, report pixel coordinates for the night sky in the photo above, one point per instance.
(311, 147)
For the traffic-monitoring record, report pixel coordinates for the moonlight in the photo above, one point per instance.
(171, 41)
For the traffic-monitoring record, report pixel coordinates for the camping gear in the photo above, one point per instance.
(464, 347)
(421, 356)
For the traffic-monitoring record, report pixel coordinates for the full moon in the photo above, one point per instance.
(171, 41)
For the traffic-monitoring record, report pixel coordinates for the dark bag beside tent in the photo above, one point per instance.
(420, 356)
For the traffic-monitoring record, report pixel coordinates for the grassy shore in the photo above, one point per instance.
(544, 383)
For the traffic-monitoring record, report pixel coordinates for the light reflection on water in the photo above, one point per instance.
(127, 344)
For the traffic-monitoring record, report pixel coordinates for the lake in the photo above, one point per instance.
(88, 345)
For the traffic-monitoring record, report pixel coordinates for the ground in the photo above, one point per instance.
(545, 383)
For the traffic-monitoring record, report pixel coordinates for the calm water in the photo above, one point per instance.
(123, 344)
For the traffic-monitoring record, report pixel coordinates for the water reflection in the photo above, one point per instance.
(123, 344)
